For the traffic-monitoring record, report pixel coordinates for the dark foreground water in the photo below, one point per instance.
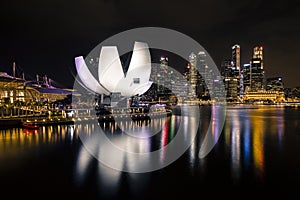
(257, 155)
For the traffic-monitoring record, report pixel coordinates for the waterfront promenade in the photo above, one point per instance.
(43, 119)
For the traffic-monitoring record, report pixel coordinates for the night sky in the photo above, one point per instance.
(44, 36)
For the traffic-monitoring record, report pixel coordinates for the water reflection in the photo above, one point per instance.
(247, 143)
(246, 131)
(107, 177)
(235, 129)
(250, 136)
(115, 147)
(16, 141)
(214, 130)
(258, 142)
(280, 126)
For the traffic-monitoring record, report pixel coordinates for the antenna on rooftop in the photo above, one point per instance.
(14, 69)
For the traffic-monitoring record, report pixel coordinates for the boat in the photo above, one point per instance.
(30, 131)
(29, 126)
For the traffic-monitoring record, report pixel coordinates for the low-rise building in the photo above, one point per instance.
(263, 95)
(16, 89)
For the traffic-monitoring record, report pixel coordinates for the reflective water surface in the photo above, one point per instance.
(257, 155)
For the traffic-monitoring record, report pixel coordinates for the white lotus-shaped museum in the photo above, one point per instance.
(110, 72)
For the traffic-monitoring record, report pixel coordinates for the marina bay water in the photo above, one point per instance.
(256, 155)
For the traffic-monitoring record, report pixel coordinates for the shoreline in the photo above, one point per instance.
(38, 120)
(16, 122)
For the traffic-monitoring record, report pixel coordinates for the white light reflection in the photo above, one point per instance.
(280, 125)
(83, 161)
(135, 152)
(143, 128)
(193, 150)
(71, 131)
(128, 146)
(108, 178)
(124, 159)
(214, 130)
(235, 144)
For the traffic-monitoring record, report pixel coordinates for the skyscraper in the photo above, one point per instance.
(258, 52)
(164, 82)
(231, 74)
(193, 79)
(180, 86)
(236, 67)
(246, 72)
(257, 70)
(204, 77)
(231, 81)
(236, 57)
(160, 75)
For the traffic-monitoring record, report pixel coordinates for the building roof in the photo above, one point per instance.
(6, 78)
(50, 90)
(38, 86)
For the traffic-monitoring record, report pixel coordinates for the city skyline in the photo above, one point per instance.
(46, 37)
(234, 61)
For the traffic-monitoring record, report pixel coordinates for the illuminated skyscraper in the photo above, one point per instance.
(258, 52)
(180, 86)
(205, 76)
(236, 57)
(231, 73)
(193, 75)
(236, 67)
(246, 72)
(231, 83)
(257, 70)
(162, 77)
(163, 80)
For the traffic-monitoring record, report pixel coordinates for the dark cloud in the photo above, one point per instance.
(45, 36)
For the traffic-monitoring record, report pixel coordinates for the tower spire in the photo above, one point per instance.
(14, 69)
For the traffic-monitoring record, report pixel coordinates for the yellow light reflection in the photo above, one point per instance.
(258, 143)
(18, 141)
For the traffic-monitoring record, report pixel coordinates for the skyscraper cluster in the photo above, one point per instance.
(242, 83)
(248, 80)
(240, 79)
(168, 84)
(202, 77)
